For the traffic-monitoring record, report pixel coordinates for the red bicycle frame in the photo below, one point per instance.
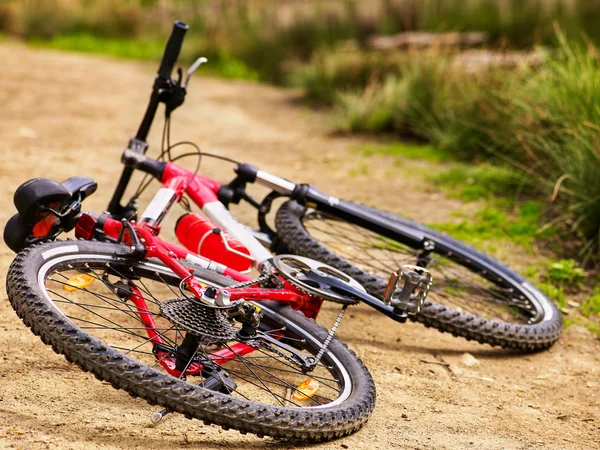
(178, 181)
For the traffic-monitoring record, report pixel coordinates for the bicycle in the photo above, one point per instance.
(151, 317)
(47, 209)
(474, 296)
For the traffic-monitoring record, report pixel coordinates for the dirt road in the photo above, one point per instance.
(65, 115)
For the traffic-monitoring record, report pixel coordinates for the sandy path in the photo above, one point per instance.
(65, 115)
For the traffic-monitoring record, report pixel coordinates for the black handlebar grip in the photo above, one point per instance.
(172, 50)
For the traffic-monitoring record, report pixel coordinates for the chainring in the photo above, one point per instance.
(199, 319)
(318, 279)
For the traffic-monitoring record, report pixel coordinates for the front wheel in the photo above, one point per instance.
(472, 296)
(108, 314)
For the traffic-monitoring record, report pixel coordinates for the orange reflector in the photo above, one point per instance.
(305, 390)
(78, 282)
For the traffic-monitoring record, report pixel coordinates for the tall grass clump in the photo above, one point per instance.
(376, 108)
(331, 71)
(108, 18)
(432, 99)
(556, 127)
(544, 120)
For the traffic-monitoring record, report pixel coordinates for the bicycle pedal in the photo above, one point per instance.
(409, 297)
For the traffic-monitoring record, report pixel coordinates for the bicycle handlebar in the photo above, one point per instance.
(163, 81)
(172, 50)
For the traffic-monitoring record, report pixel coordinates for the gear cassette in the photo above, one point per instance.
(199, 319)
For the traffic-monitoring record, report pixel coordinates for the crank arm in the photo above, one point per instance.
(393, 313)
(389, 309)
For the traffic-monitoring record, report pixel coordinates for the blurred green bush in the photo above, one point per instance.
(543, 119)
(266, 35)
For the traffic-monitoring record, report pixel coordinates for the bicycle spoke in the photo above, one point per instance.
(289, 365)
(282, 383)
(106, 310)
(240, 358)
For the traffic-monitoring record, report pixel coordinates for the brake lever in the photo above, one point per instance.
(192, 69)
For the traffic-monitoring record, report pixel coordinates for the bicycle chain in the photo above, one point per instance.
(322, 349)
(260, 280)
(280, 353)
(330, 335)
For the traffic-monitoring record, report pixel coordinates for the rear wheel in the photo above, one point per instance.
(108, 314)
(472, 296)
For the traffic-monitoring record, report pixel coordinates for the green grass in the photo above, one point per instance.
(592, 327)
(563, 278)
(220, 63)
(566, 273)
(591, 305)
(470, 182)
(560, 279)
(407, 150)
(118, 47)
(231, 67)
(519, 225)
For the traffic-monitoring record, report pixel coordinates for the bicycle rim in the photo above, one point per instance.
(262, 375)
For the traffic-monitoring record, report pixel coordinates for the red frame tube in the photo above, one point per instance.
(138, 300)
(170, 254)
(201, 190)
